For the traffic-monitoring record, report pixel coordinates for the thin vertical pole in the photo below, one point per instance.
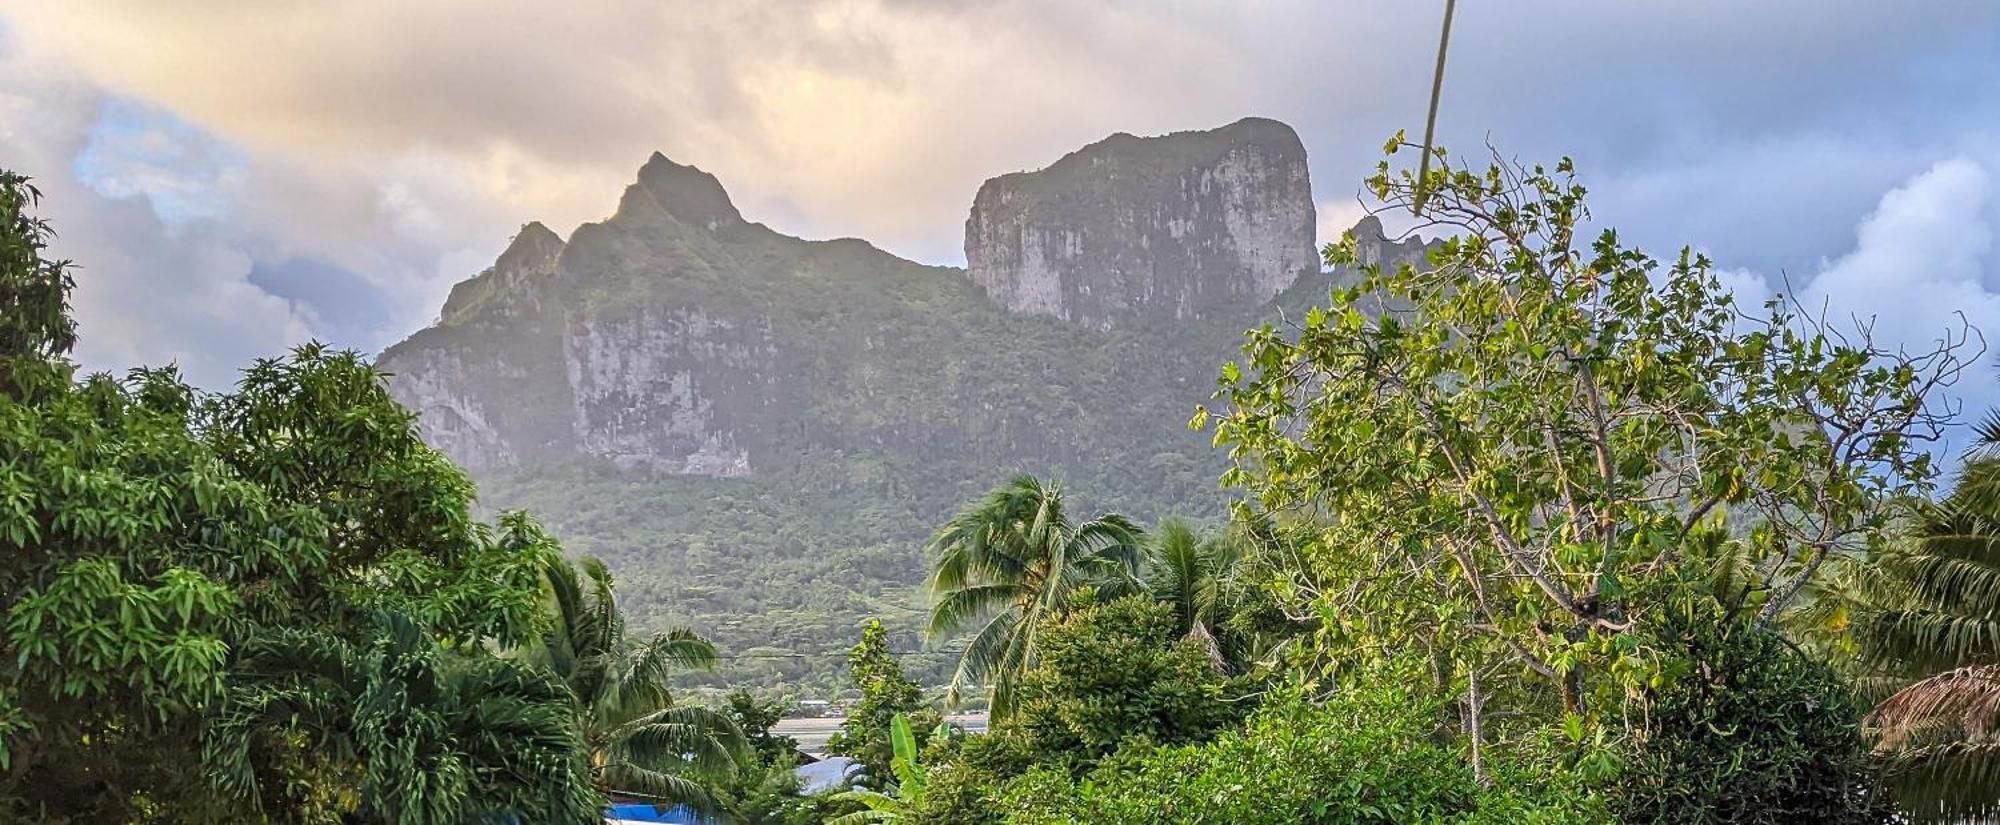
(1430, 121)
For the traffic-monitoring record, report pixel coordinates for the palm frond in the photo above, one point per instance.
(659, 787)
(986, 653)
(954, 608)
(880, 808)
(1952, 782)
(1921, 641)
(1966, 700)
(1015, 551)
(1970, 587)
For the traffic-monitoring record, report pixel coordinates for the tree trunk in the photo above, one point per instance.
(1474, 725)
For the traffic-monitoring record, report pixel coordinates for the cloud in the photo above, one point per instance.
(147, 293)
(1923, 255)
(1922, 265)
(402, 143)
(136, 152)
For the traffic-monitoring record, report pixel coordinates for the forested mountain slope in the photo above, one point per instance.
(756, 431)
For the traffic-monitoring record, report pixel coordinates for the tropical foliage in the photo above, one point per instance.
(765, 790)
(281, 584)
(1543, 439)
(886, 694)
(1010, 561)
(1363, 754)
(1119, 672)
(639, 742)
(1753, 730)
(1927, 617)
(425, 734)
(902, 802)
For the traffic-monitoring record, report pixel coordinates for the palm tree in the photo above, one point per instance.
(641, 744)
(1930, 612)
(414, 733)
(1012, 559)
(1193, 573)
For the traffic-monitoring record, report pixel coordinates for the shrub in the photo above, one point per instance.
(1756, 732)
(1116, 672)
(1367, 756)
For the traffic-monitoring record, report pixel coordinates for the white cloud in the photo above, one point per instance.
(147, 293)
(1337, 216)
(404, 142)
(1922, 265)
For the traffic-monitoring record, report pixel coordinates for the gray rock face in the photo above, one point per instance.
(654, 389)
(433, 383)
(1178, 226)
(676, 338)
(514, 278)
(1372, 246)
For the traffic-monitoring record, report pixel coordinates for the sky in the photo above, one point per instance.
(236, 178)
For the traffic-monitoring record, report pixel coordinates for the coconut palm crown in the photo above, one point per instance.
(1009, 561)
(641, 743)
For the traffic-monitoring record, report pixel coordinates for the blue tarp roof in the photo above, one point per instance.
(644, 812)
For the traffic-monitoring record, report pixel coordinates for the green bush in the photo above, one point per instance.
(1367, 756)
(1756, 732)
(885, 692)
(1115, 672)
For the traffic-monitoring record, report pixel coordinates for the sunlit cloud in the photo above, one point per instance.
(389, 149)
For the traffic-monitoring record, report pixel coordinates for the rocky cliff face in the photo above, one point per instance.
(663, 390)
(758, 430)
(1180, 226)
(676, 338)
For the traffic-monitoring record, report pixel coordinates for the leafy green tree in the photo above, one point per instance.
(438, 736)
(756, 718)
(1115, 672)
(34, 291)
(1112, 677)
(1927, 619)
(1534, 438)
(157, 543)
(886, 694)
(1011, 560)
(155, 535)
(640, 742)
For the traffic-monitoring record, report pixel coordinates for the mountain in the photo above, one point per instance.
(1185, 226)
(757, 431)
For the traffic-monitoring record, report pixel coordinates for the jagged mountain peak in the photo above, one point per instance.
(677, 339)
(683, 192)
(534, 246)
(1373, 245)
(1369, 228)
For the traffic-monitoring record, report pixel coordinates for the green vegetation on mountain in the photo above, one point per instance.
(756, 431)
